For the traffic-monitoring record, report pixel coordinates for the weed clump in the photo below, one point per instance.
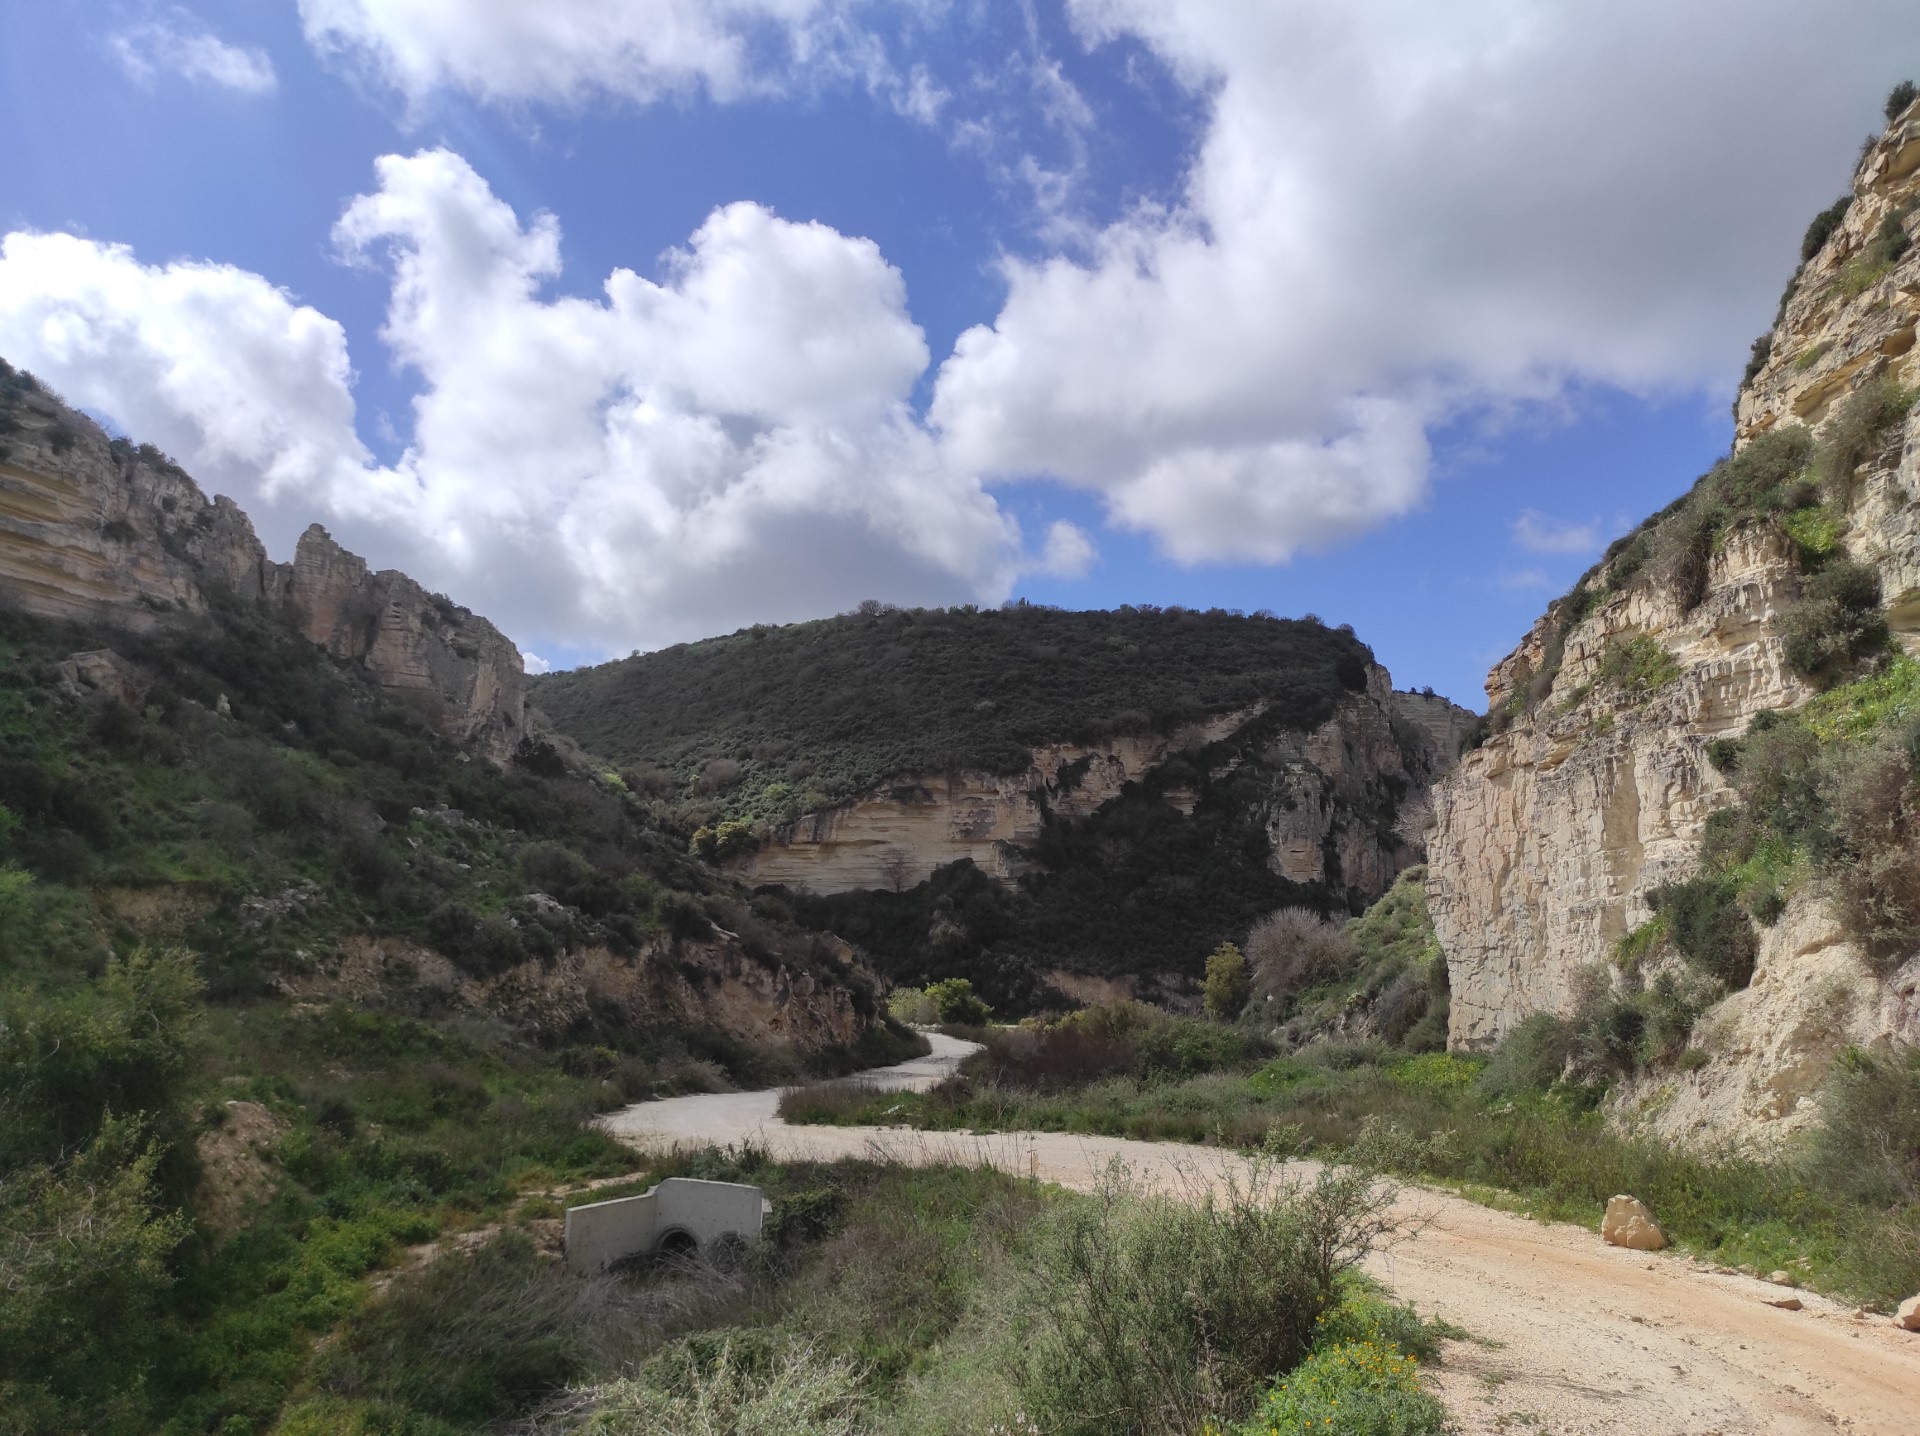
(1639, 666)
(1861, 425)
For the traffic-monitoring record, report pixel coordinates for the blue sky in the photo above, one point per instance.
(629, 323)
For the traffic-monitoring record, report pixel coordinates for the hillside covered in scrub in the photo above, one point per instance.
(296, 967)
(771, 721)
(1025, 797)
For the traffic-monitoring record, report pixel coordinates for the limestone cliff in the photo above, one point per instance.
(1592, 790)
(895, 837)
(100, 531)
(1321, 814)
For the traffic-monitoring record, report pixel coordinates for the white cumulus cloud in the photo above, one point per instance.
(728, 442)
(210, 362)
(564, 51)
(1536, 533)
(177, 44)
(1402, 214)
(1069, 552)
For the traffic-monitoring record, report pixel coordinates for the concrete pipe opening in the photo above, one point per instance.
(677, 1244)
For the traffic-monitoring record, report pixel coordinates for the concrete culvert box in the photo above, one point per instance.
(681, 1217)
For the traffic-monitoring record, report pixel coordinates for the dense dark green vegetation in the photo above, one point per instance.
(165, 873)
(774, 721)
(738, 733)
(316, 778)
(927, 1302)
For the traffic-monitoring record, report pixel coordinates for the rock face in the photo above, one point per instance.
(1320, 819)
(711, 984)
(895, 837)
(1629, 1224)
(414, 642)
(1551, 836)
(1765, 1051)
(100, 532)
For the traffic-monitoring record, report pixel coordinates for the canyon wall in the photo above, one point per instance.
(1320, 814)
(1551, 836)
(98, 531)
(896, 836)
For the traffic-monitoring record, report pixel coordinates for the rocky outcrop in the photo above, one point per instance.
(710, 985)
(414, 642)
(1321, 821)
(896, 836)
(95, 531)
(1551, 836)
(1322, 815)
(1760, 1057)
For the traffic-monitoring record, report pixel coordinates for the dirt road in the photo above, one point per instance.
(1570, 1335)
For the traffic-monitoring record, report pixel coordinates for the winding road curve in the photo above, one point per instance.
(1568, 1335)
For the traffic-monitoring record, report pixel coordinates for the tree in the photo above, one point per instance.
(1229, 984)
(954, 1000)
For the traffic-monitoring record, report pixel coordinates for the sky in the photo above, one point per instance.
(629, 322)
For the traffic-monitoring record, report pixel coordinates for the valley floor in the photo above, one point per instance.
(1567, 1335)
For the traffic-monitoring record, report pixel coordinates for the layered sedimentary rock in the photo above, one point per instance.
(412, 641)
(1321, 816)
(894, 837)
(1551, 837)
(101, 532)
(709, 985)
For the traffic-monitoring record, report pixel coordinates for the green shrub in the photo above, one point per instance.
(1530, 1058)
(1860, 426)
(912, 1006)
(84, 1250)
(953, 999)
(1822, 226)
(1764, 477)
(1639, 665)
(1877, 831)
(1815, 531)
(1228, 983)
(1868, 1144)
(123, 1045)
(479, 1335)
(1358, 1388)
(1836, 620)
(1704, 918)
(1683, 551)
(1153, 1316)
